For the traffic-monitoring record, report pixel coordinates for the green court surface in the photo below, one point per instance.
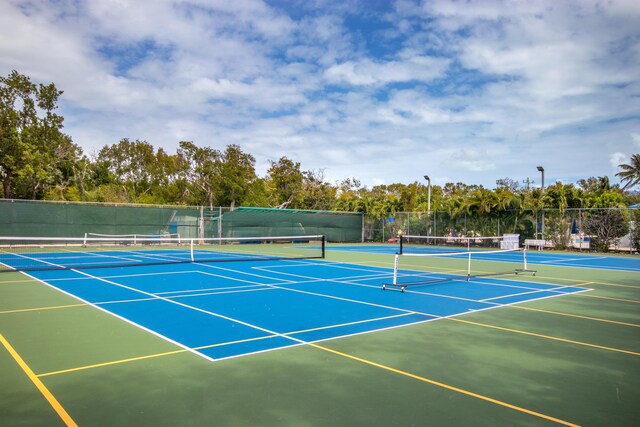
(568, 360)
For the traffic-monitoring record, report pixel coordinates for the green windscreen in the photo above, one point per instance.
(56, 219)
(335, 226)
(67, 219)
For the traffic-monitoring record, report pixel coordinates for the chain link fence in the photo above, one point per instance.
(27, 218)
(567, 229)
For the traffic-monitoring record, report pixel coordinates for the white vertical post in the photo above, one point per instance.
(469, 268)
(191, 250)
(201, 223)
(395, 270)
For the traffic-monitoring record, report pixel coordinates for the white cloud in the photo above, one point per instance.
(470, 93)
(367, 72)
(618, 158)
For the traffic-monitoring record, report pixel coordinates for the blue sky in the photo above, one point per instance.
(381, 91)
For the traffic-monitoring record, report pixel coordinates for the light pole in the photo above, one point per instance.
(428, 199)
(541, 170)
(428, 194)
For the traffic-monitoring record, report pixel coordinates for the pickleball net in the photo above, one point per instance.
(41, 253)
(135, 237)
(416, 269)
(426, 244)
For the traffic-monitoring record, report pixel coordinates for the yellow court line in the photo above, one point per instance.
(168, 353)
(41, 387)
(113, 362)
(597, 319)
(24, 310)
(543, 336)
(581, 283)
(446, 386)
(5, 282)
(149, 356)
(608, 298)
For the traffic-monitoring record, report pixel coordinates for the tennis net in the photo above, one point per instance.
(426, 244)
(42, 253)
(427, 269)
(135, 237)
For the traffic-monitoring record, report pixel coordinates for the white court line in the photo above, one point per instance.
(295, 341)
(532, 291)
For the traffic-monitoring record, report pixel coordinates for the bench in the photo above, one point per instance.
(536, 243)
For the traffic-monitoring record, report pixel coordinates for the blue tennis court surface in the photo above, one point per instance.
(579, 260)
(223, 310)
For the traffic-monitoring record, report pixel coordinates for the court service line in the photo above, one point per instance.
(124, 319)
(579, 282)
(211, 313)
(62, 413)
(535, 290)
(597, 319)
(443, 385)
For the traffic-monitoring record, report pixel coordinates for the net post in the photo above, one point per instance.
(191, 250)
(524, 256)
(401, 248)
(84, 242)
(324, 241)
(469, 268)
(395, 270)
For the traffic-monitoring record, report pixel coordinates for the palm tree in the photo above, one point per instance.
(630, 172)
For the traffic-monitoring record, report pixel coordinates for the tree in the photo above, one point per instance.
(201, 168)
(133, 164)
(606, 226)
(507, 183)
(595, 185)
(317, 193)
(237, 175)
(285, 183)
(34, 153)
(635, 231)
(630, 172)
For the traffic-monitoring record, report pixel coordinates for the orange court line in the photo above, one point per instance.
(41, 387)
(439, 384)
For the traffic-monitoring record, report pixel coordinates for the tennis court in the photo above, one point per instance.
(188, 335)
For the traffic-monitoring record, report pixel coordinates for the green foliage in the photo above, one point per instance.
(285, 183)
(38, 161)
(606, 226)
(35, 155)
(630, 172)
(558, 229)
(635, 229)
(236, 176)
